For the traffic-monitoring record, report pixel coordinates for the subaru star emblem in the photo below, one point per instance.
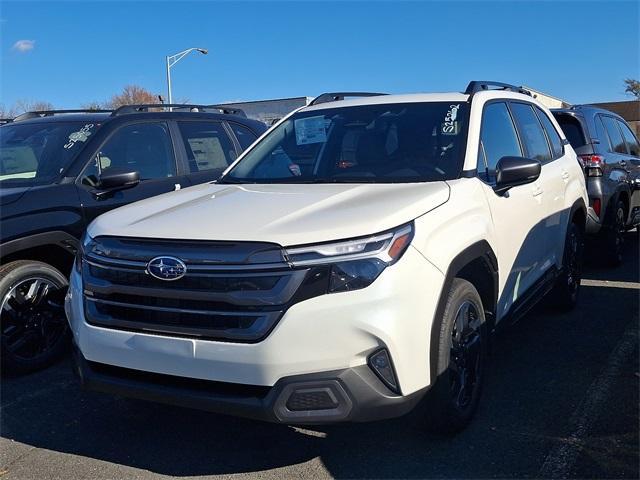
(166, 268)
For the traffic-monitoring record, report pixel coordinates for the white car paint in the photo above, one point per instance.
(524, 228)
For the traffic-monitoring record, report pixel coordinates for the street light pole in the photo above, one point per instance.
(171, 60)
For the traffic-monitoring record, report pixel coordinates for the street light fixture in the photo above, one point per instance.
(173, 59)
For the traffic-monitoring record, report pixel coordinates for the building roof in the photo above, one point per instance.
(629, 109)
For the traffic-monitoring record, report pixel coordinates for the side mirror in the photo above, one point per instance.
(514, 171)
(112, 181)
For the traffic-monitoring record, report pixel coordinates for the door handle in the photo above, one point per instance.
(537, 190)
(565, 175)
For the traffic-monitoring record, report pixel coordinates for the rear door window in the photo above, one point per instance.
(617, 142)
(244, 136)
(498, 138)
(552, 133)
(531, 133)
(629, 137)
(207, 145)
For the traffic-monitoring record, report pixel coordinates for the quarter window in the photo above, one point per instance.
(552, 133)
(498, 137)
(617, 142)
(208, 146)
(629, 137)
(142, 147)
(531, 132)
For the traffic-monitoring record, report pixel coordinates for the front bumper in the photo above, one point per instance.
(352, 394)
(330, 333)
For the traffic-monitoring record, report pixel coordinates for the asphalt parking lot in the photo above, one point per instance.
(561, 401)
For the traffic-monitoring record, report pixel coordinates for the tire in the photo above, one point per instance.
(613, 236)
(565, 292)
(451, 403)
(33, 327)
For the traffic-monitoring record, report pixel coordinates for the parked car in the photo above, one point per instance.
(611, 156)
(61, 169)
(361, 254)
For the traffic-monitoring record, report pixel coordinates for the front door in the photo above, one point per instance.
(517, 215)
(144, 147)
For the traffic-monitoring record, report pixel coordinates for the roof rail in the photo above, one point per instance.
(337, 96)
(49, 113)
(145, 107)
(480, 85)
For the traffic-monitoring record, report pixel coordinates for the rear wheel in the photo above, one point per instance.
(33, 325)
(453, 400)
(614, 235)
(565, 292)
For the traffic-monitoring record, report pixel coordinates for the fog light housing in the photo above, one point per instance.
(380, 363)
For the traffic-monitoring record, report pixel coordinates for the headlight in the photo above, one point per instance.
(356, 263)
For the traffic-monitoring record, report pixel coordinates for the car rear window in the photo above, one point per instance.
(572, 129)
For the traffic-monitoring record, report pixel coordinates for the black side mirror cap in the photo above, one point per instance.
(514, 171)
(110, 182)
(118, 179)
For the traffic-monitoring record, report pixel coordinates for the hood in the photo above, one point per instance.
(282, 214)
(11, 194)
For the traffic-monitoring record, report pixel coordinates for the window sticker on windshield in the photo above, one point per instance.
(80, 136)
(450, 125)
(310, 130)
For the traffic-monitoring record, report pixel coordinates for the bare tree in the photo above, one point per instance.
(632, 87)
(132, 94)
(94, 105)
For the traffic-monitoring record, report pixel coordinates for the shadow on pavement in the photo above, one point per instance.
(539, 372)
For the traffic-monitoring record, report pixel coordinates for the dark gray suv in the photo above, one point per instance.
(611, 156)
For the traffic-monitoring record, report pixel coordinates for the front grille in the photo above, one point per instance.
(238, 298)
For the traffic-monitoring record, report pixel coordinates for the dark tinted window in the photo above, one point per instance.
(552, 133)
(498, 136)
(386, 143)
(629, 137)
(572, 130)
(617, 142)
(245, 136)
(602, 135)
(531, 132)
(208, 146)
(34, 153)
(142, 147)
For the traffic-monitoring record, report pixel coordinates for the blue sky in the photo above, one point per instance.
(84, 51)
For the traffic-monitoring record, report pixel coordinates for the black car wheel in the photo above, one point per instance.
(614, 235)
(34, 329)
(452, 402)
(565, 292)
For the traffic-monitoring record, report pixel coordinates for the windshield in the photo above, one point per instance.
(37, 153)
(384, 143)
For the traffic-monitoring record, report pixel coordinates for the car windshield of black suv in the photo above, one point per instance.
(383, 143)
(36, 153)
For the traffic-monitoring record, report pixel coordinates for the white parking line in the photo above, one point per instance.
(606, 283)
(561, 459)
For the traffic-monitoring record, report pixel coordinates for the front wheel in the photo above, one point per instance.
(453, 400)
(565, 291)
(33, 325)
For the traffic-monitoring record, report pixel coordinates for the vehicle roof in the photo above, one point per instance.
(388, 99)
(581, 109)
(103, 117)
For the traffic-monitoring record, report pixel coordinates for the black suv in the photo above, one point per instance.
(611, 156)
(61, 169)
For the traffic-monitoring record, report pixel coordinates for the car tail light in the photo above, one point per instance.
(593, 164)
(597, 206)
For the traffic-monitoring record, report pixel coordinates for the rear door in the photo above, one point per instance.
(145, 147)
(207, 149)
(618, 151)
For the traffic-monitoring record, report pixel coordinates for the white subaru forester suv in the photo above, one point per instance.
(350, 265)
